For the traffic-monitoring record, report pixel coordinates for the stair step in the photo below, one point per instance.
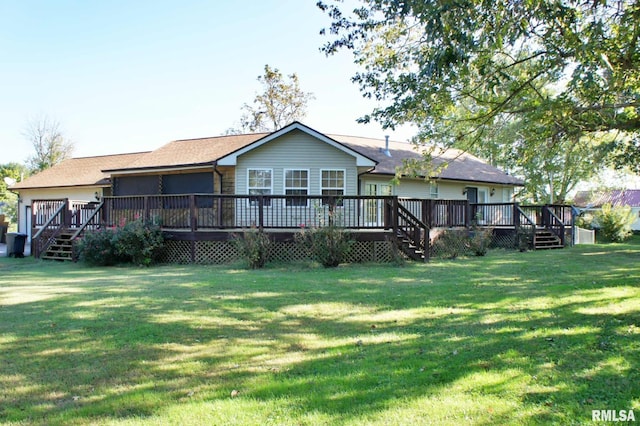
(56, 258)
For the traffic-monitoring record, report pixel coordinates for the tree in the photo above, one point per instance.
(423, 59)
(9, 173)
(553, 159)
(280, 103)
(49, 143)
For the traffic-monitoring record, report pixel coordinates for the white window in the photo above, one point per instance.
(507, 196)
(260, 182)
(433, 189)
(296, 182)
(483, 196)
(332, 184)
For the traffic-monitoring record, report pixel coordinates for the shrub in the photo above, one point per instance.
(328, 245)
(140, 242)
(450, 243)
(137, 242)
(524, 238)
(254, 247)
(479, 240)
(586, 220)
(615, 222)
(98, 247)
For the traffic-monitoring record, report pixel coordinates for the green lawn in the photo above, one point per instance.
(511, 338)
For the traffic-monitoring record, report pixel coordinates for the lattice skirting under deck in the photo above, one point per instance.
(223, 252)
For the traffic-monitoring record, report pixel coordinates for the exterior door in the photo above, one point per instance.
(28, 223)
(374, 209)
(472, 195)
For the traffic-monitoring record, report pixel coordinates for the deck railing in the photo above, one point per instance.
(206, 211)
(203, 211)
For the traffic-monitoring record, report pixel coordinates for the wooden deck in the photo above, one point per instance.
(206, 217)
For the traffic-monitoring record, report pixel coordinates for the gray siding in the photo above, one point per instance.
(297, 150)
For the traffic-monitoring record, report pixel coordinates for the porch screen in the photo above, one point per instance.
(138, 185)
(190, 183)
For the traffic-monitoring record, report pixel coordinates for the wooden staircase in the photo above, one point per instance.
(412, 235)
(412, 250)
(61, 249)
(545, 239)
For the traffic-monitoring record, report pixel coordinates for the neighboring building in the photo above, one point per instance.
(295, 160)
(594, 200)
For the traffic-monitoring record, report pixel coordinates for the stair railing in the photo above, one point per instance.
(49, 231)
(413, 229)
(553, 223)
(525, 227)
(92, 221)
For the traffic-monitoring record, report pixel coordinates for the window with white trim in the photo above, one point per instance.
(260, 182)
(296, 182)
(332, 184)
(433, 189)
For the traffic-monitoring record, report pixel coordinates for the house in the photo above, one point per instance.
(594, 200)
(294, 160)
(281, 180)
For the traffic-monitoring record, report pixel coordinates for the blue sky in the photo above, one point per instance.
(128, 76)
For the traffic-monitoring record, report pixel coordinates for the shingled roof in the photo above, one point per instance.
(190, 153)
(81, 171)
(449, 164)
(624, 197)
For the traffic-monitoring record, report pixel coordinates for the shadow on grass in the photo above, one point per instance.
(554, 334)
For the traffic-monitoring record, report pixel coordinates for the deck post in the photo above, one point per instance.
(145, 208)
(67, 214)
(426, 212)
(467, 214)
(260, 212)
(219, 212)
(394, 216)
(192, 213)
(516, 224)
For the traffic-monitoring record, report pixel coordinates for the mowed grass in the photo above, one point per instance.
(512, 338)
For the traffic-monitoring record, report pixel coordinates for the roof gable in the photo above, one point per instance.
(361, 160)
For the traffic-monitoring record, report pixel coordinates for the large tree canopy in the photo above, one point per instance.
(280, 103)
(573, 65)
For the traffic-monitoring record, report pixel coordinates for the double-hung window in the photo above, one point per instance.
(296, 182)
(433, 189)
(260, 182)
(332, 184)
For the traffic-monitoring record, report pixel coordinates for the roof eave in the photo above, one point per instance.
(137, 170)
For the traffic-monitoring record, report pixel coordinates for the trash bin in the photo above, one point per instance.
(15, 244)
(3, 234)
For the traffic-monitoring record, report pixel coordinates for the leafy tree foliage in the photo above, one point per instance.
(49, 143)
(9, 200)
(571, 67)
(280, 103)
(615, 222)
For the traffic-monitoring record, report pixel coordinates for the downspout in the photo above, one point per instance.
(215, 169)
(360, 174)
